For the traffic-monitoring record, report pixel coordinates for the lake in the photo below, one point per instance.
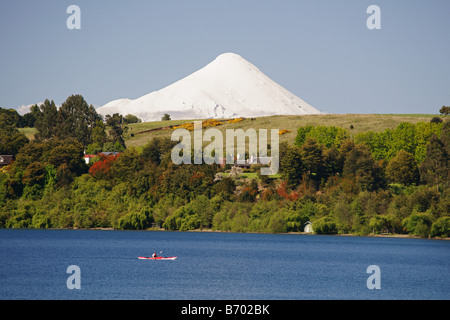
(219, 266)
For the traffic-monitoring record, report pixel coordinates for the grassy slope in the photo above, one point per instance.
(360, 122)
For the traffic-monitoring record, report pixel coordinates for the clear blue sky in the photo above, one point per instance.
(321, 50)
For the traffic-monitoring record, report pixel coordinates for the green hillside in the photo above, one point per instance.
(138, 137)
(345, 174)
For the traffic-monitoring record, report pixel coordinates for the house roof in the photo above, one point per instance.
(109, 153)
(5, 159)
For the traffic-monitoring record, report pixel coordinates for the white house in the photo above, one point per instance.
(308, 227)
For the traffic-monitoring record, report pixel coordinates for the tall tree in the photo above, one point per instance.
(435, 168)
(312, 157)
(46, 121)
(361, 164)
(403, 169)
(333, 161)
(115, 122)
(98, 138)
(445, 135)
(77, 119)
(292, 165)
(156, 149)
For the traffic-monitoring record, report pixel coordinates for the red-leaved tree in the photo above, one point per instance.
(102, 168)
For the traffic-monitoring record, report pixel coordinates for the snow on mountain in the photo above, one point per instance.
(228, 87)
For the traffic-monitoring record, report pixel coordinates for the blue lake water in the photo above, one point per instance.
(219, 266)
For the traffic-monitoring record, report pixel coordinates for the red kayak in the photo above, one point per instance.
(157, 258)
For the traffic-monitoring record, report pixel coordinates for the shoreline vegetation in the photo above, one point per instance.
(362, 175)
(399, 236)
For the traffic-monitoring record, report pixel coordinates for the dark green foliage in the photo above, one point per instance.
(40, 164)
(225, 186)
(116, 123)
(130, 118)
(77, 119)
(435, 169)
(11, 139)
(419, 224)
(360, 164)
(436, 120)
(11, 117)
(157, 149)
(441, 228)
(340, 187)
(325, 225)
(444, 110)
(333, 162)
(166, 117)
(47, 121)
(29, 119)
(291, 164)
(136, 221)
(313, 160)
(74, 119)
(403, 169)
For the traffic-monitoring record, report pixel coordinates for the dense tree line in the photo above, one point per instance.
(396, 181)
(75, 119)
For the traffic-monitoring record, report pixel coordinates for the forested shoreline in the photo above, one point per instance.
(389, 182)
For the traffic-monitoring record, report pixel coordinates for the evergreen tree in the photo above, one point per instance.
(333, 161)
(292, 165)
(98, 138)
(156, 149)
(46, 121)
(361, 165)
(435, 168)
(115, 122)
(312, 157)
(445, 135)
(77, 119)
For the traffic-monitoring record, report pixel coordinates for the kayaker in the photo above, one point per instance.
(154, 255)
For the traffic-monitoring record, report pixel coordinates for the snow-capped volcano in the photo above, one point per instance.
(228, 87)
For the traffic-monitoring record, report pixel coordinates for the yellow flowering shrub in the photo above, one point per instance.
(284, 131)
(206, 123)
(235, 120)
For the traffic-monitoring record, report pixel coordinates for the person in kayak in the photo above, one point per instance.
(154, 255)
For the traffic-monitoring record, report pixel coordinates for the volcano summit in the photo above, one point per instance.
(228, 87)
